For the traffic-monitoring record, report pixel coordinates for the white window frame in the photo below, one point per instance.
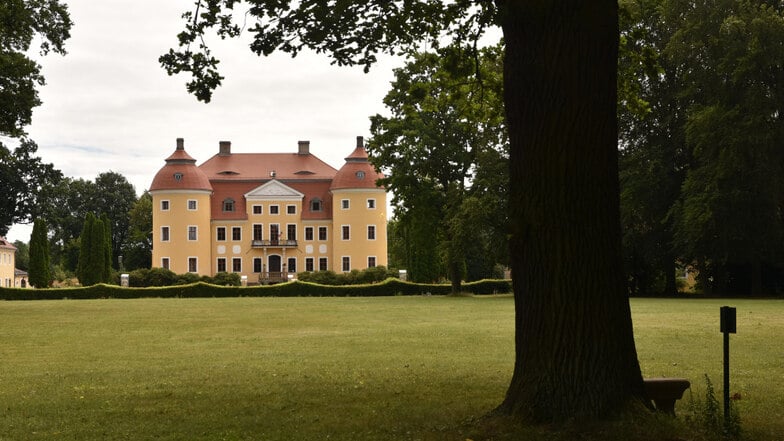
(260, 209)
(274, 209)
(371, 204)
(375, 262)
(375, 232)
(291, 209)
(345, 263)
(345, 232)
(233, 229)
(196, 260)
(165, 205)
(345, 204)
(233, 261)
(166, 262)
(217, 265)
(195, 205)
(195, 230)
(217, 234)
(168, 233)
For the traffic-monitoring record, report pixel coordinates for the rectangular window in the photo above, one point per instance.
(192, 232)
(346, 264)
(258, 231)
(292, 267)
(236, 233)
(322, 233)
(164, 234)
(308, 233)
(257, 209)
(274, 209)
(291, 209)
(257, 264)
(323, 264)
(192, 204)
(371, 261)
(236, 264)
(309, 264)
(221, 265)
(220, 233)
(164, 205)
(228, 205)
(165, 262)
(371, 232)
(291, 231)
(193, 265)
(344, 204)
(371, 204)
(345, 232)
(274, 233)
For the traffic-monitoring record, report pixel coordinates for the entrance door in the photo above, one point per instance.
(273, 263)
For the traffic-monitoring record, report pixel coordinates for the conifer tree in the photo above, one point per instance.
(107, 248)
(39, 272)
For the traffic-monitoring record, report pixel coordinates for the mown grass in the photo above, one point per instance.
(329, 368)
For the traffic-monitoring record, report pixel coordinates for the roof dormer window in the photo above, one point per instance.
(228, 205)
(315, 204)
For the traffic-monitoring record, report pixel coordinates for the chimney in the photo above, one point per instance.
(180, 144)
(360, 142)
(304, 148)
(224, 148)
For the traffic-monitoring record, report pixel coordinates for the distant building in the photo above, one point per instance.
(10, 277)
(267, 216)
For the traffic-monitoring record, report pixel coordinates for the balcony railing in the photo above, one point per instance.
(274, 243)
(269, 277)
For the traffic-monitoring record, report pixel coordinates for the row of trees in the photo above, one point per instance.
(444, 151)
(702, 144)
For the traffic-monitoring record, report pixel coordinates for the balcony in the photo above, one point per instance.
(273, 277)
(274, 243)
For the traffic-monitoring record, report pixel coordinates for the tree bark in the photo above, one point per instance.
(575, 352)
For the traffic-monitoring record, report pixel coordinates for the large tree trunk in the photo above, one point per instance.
(575, 353)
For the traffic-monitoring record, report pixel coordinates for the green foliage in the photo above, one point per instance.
(25, 180)
(355, 277)
(351, 33)
(137, 249)
(23, 22)
(443, 150)
(39, 273)
(94, 250)
(22, 255)
(701, 169)
(159, 282)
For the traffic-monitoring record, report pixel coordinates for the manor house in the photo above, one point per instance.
(267, 216)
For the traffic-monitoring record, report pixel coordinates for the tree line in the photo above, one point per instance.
(702, 144)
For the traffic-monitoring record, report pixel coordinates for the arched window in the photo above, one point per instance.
(228, 205)
(315, 204)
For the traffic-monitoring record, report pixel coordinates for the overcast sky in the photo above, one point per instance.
(109, 106)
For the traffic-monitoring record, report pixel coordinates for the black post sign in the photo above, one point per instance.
(728, 324)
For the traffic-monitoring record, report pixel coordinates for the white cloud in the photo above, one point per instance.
(109, 106)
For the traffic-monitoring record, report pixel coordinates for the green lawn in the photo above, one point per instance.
(394, 368)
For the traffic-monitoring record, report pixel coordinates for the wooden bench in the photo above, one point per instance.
(665, 391)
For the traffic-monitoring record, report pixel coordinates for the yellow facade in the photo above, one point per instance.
(360, 226)
(266, 227)
(7, 265)
(181, 228)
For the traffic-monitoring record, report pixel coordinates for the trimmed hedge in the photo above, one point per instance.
(389, 287)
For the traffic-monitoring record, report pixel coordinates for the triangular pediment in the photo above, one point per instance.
(273, 190)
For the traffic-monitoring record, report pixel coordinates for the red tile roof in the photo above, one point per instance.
(357, 172)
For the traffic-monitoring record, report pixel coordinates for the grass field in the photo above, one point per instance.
(394, 368)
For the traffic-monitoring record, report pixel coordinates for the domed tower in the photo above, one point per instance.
(181, 215)
(359, 214)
